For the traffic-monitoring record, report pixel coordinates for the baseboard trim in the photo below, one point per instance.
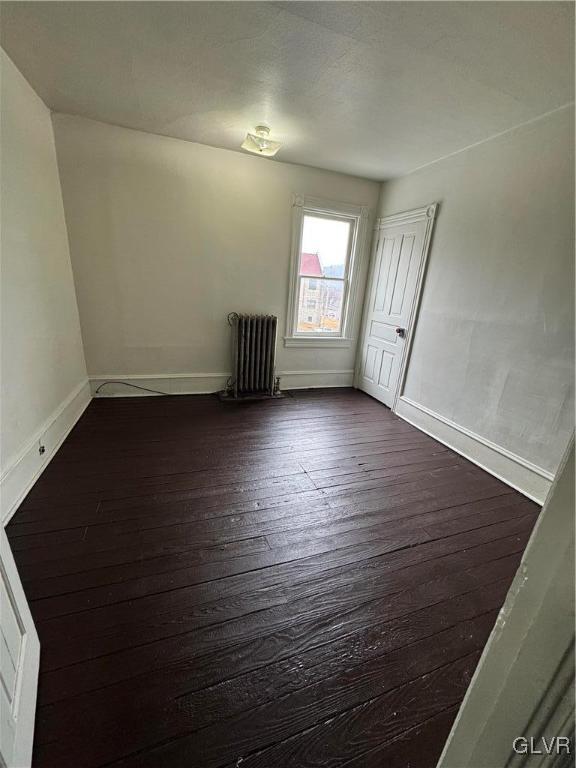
(28, 465)
(208, 383)
(316, 379)
(164, 383)
(531, 480)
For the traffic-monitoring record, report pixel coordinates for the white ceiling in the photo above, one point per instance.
(369, 88)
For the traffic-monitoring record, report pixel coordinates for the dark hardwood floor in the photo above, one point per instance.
(286, 584)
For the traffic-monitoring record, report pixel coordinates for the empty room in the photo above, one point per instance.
(287, 384)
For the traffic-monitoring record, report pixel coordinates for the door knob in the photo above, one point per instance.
(401, 332)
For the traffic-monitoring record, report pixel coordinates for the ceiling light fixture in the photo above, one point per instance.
(259, 143)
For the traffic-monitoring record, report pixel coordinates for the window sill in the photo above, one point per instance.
(329, 342)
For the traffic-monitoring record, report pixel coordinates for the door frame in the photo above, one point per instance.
(534, 631)
(23, 710)
(425, 213)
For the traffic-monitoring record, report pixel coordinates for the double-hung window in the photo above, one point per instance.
(327, 238)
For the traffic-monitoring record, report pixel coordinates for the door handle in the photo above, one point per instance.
(401, 332)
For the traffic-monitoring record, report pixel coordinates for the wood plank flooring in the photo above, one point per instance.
(286, 584)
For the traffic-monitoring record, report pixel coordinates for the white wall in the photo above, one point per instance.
(168, 236)
(43, 371)
(494, 347)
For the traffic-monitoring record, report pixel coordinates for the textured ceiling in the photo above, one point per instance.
(370, 88)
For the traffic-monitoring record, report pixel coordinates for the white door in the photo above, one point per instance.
(396, 271)
(19, 663)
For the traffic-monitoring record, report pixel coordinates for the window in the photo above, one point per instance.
(324, 268)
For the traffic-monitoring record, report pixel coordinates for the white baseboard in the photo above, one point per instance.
(207, 383)
(316, 379)
(28, 465)
(165, 383)
(522, 475)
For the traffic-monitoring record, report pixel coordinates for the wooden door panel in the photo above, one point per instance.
(395, 275)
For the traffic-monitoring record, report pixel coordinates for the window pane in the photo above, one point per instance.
(324, 248)
(320, 305)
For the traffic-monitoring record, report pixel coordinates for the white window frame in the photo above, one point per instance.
(358, 215)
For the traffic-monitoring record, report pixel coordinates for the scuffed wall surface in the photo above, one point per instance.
(494, 346)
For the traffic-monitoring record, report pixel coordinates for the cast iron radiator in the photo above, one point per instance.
(253, 355)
